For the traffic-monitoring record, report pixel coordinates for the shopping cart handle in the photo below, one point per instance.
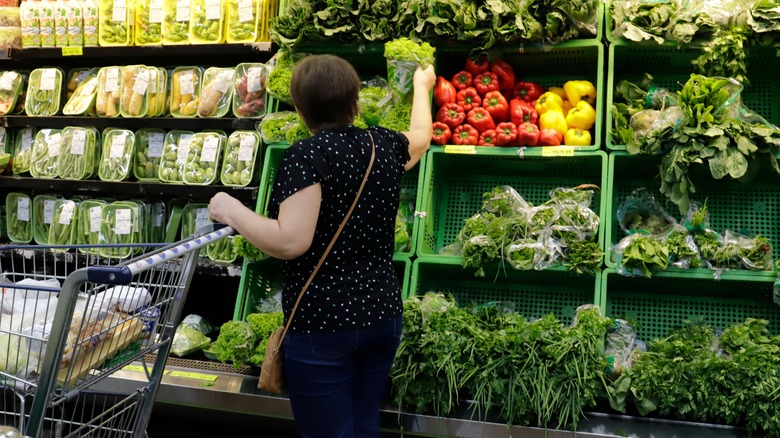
(115, 275)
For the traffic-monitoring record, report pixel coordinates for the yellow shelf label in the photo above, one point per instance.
(196, 376)
(138, 368)
(557, 151)
(72, 51)
(460, 149)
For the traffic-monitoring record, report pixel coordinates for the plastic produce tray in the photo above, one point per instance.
(411, 180)
(260, 277)
(750, 208)
(667, 300)
(671, 67)
(455, 183)
(533, 293)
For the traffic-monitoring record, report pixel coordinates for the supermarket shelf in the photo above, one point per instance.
(216, 269)
(130, 188)
(53, 54)
(193, 124)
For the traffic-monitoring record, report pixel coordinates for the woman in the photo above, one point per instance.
(343, 338)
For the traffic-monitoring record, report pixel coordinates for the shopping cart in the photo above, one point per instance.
(57, 342)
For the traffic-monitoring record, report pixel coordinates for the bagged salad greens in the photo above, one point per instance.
(375, 100)
(274, 126)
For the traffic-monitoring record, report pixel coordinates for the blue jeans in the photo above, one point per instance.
(336, 381)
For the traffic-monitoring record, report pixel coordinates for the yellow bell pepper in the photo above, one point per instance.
(577, 137)
(559, 91)
(582, 116)
(554, 119)
(548, 101)
(567, 106)
(580, 90)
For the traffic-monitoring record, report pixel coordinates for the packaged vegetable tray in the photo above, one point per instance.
(117, 219)
(19, 217)
(173, 220)
(157, 91)
(249, 96)
(82, 102)
(200, 167)
(194, 216)
(157, 220)
(74, 78)
(185, 89)
(222, 250)
(63, 222)
(175, 150)
(88, 224)
(148, 152)
(216, 92)
(207, 21)
(134, 91)
(176, 22)
(241, 155)
(45, 152)
(242, 20)
(44, 89)
(11, 83)
(108, 91)
(115, 19)
(22, 154)
(6, 141)
(148, 22)
(116, 155)
(141, 223)
(77, 156)
(43, 210)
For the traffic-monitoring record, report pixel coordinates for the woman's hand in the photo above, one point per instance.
(425, 78)
(222, 206)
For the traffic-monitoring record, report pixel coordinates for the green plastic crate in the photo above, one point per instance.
(260, 277)
(572, 60)
(667, 300)
(533, 293)
(749, 208)
(411, 180)
(455, 183)
(671, 67)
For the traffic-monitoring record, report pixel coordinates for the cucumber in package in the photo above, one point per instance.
(19, 217)
(241, 154)
(175, 151)
(45, 153)
(117, 153)
(200, 167)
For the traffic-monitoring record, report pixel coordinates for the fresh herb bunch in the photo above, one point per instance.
(726, 55)
(682, 247)
(708, 243)
(583, 257)
(645, 254)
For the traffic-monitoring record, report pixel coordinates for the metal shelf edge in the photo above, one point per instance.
(144, 51)
(225, 123)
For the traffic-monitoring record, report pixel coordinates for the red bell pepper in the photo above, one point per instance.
(550, 137)
(451, 114)
(476, 67)
(488, 138)
(507, 134)
(441, 133)
(486, 82)
(468, 98)
(505, 73)
(521, 112)
(497, 106)
(462, 79)
(465, 134)
(444, 92)
(527, 134)
(480, 119)
(528, 91)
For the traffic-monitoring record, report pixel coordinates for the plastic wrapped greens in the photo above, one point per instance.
(374, 100)
(641, 255)
(641, 212)
(190, 336)
(683, 252)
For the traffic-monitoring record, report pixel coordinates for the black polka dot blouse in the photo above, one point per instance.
(356, 287)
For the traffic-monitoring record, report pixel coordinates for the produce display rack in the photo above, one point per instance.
(168, 123)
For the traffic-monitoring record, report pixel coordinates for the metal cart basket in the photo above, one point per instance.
(70, 317)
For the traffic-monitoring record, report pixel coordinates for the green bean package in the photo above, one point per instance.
(117, 219)
(175, 151)
(217, 92)
(63, 222)
(222, 250)
(19, 217)
(203, 158)
(44, 89)
(77, 156)
(194, 217)
(241, 155)
(88, 224)
(22, 155)
(43, 210)
(142, 222)
(45, 153)
(157, 229)
(149, 144)
(11, 84)
(117, 154)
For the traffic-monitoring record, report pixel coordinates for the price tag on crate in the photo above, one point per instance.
(94, 219)
(23, 209)
(460, 149)
(558, 151)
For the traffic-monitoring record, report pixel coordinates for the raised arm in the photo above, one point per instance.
(420, 130)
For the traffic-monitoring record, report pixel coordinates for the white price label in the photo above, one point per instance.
(184, 146)
(112, 80)
(156, 140)
(120, 11)
(124, 221)
(2, 139)
(156, 11)
(26, 139)
(254, 81)
(55, 144)
(94, 219)
(247, 148)
(223, 80)
(7, 80)
(183, 10)
(48, 211)
(209, 153)
(187, 82)
(66, 214)
(201, 218)
(157, 215)
(118, 146)
(213, 9)
(78, 141)
(89, 87)
(141, 81)
(48, 79)
(23, 209)
(152, 81)
(246, 12)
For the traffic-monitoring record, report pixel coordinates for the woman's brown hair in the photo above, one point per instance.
(325, 89)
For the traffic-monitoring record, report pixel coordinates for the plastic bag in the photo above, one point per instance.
(198, 323)
(641, 212)
(641, 255)
(125, 298)
(619, 347)
(582, 195)
(374, 100)
(740, 251)
(697, 218)
(541, 217)
(274, 126)
(537, 254)
(505, 201)
(575, 223)
(477, 251)
(650, 127)
(190, 335)
(404, 221)
(683, 252)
